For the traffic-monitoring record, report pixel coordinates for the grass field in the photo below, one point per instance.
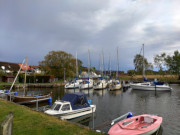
(28, 122)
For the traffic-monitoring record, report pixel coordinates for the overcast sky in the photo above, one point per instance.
(32, 28)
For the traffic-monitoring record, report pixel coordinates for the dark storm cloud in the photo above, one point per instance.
(33, 28)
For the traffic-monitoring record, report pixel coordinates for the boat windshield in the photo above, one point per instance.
(56, 107)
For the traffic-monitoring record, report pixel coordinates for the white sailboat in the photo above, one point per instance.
(87, 83)
(149, 86)
(101, 83)
(76, 83)
(116, 84)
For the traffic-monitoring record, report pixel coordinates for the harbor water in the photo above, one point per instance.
(112, 104)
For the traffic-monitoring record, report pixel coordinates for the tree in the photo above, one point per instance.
(173, 62)
(138, 63)
(159, 61)
(55, 62)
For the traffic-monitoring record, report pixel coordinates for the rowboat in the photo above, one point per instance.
(72, 105)
(29, 99)
(138, 125)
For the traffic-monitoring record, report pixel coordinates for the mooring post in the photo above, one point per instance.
(93, 116)
(37, 104)
(7, 125)
(10, 96)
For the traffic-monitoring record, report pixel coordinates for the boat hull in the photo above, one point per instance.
(74, 113)
(139, 86)
(100, 87)
(138, 125)
(29, 99)
(115, 87)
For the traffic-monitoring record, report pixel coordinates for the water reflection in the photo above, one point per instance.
(112, 104)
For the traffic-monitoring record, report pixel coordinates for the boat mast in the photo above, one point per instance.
(25, 73)
(102, 63)
(88, 63)
(117, 65)
(16, 76)
(109, 68)
(143, 62)
(76, 66)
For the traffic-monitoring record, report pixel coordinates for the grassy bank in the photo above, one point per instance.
(28, 122)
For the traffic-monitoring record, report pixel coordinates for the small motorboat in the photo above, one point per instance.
(138, 125)
(71, 106)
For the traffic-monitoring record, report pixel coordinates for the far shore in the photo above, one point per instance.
(171, 79)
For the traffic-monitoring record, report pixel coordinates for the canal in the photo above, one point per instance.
(112, 104)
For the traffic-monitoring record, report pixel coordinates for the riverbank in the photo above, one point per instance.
(28, 122)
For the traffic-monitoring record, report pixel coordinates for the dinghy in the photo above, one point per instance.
(71, 106)
(138, 125)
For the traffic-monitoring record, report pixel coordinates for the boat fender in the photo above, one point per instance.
(50, 101)
(89, 101)
(7, 91)
(15, 93)
(130, 115)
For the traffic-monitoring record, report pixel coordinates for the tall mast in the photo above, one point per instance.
(117, 65)
(25, 73)
(102, 62)
(88, 63)
(143, 62)
(76, 66)
(109, 68)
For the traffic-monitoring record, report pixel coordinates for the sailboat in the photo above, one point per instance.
(149, 86)
(116, 84)
(23, 99)
(87, 83)
(76, 82)
(101, 83)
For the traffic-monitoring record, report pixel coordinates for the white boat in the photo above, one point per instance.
(101, 84)
(72, 105)
(115, 85)
(71, 85)
(86, 84)
(150, 86)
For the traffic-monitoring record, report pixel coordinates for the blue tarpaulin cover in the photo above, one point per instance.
(77, 100)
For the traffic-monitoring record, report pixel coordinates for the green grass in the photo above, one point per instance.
(29, 122)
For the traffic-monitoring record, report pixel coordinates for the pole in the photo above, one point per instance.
(64, 74)
(143, 62)
(16, 76)
(37, 104)
(93, 116)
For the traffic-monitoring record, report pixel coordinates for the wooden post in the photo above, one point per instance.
(37, 104)
(7, 125)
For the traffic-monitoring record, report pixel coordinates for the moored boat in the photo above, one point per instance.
(138, 125)
(150, 86)
(71, 106)
(101, 84)
(115, 85)
(71, 85)
(29, 99)
(86, 84)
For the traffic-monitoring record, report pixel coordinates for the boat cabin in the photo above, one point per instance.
(71, 101)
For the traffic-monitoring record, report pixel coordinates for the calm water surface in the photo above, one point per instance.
(112, 104)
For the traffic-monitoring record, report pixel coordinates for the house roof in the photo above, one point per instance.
(8, 66)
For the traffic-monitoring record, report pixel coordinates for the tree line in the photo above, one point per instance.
(166, 64)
